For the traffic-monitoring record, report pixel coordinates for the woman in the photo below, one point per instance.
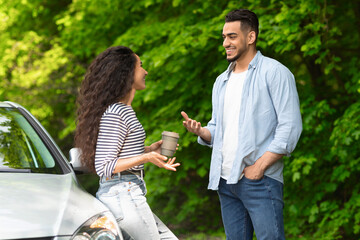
(112, 141)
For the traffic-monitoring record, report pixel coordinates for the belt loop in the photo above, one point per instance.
(117, 175)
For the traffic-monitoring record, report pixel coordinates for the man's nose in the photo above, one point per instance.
(225, 42)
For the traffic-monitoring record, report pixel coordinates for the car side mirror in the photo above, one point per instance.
(75, 161)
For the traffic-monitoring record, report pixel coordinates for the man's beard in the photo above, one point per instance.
(230, 60)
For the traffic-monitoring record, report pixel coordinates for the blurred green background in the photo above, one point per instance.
(46, 46)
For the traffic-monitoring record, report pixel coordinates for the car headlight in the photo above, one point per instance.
(100, 227)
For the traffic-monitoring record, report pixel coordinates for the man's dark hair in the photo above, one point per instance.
(248, 19)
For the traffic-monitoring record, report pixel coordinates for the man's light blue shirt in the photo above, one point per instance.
(269, 118)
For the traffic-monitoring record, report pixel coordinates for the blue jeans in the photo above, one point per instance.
(125, 196)
(252, 205)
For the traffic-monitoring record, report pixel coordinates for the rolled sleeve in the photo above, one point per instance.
(206, 143)
(286, 103)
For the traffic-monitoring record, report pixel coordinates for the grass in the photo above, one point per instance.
(203, 236)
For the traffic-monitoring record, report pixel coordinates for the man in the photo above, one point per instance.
(255, 122)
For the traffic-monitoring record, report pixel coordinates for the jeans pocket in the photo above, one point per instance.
(253, 180)
(112, 201)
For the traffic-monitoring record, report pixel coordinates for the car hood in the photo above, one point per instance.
(39, 205)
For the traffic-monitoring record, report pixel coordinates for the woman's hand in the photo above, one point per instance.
(159, 160)
(170, 165)
(156, 147)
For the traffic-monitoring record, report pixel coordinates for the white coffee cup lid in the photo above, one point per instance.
(171, 134)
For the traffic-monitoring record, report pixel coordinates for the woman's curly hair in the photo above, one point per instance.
(108, 79)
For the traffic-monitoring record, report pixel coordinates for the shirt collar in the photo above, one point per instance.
(255, 60)
(252, 64)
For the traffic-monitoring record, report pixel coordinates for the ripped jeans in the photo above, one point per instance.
(124, 195)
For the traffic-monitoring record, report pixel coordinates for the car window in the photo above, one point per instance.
(21, 147)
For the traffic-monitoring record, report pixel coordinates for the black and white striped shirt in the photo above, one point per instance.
(121, 135)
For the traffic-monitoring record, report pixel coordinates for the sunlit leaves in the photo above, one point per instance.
(46, 46)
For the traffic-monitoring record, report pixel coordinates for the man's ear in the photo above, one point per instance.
(251, 37)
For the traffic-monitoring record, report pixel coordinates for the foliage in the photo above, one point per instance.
(45, 47)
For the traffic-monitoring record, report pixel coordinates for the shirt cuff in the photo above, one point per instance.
(279, 148)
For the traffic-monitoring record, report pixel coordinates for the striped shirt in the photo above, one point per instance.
(121, 135)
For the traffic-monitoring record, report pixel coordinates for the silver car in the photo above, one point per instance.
(39, 193)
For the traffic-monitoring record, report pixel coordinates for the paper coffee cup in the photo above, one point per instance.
(169, 144)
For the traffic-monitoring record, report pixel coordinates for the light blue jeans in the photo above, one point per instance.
(125, 196)
(252, 205)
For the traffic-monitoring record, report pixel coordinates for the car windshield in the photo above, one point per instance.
(21, 148)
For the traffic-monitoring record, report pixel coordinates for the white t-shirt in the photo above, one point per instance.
(232, 103)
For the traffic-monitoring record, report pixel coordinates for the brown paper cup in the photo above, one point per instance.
(169, 144)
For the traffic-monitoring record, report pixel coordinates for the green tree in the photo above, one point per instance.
(46, 46)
